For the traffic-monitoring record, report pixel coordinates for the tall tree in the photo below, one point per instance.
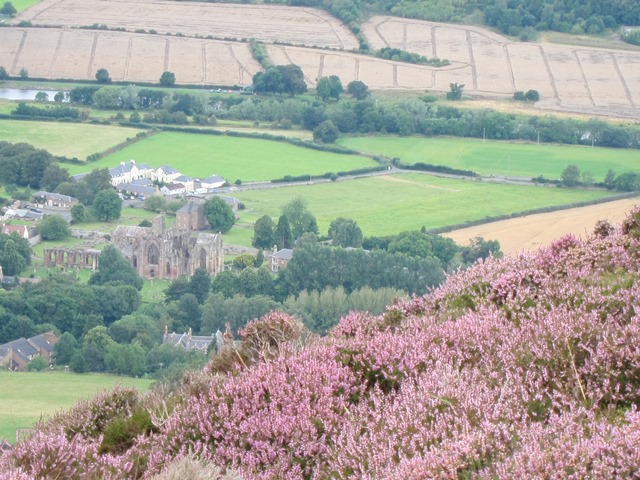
(345, 233)
(329, 87)
(219, 215)
(107, 205)
(167, 79)
(284, 238)
(300, 218)
(263, 233)
(200, 285)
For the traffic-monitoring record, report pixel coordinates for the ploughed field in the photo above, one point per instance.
(574, 79)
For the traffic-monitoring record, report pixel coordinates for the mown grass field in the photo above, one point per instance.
(67, 139)
(390, 204)
(500, 158)
(21, 5)
(26, 396)
(234, 158)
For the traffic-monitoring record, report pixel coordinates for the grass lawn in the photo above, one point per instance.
(500, 158)
(394, 203)
(26, 396)
(68, 139)
(234, 158)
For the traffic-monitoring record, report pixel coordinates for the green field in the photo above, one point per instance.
(67, 139)
(21, 5)
(26, 396)
(234, 158)
(500, 158)
(391, 204)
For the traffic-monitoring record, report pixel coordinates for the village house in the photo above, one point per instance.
(173, 189)
(191, 216)
(54, 200)
(213, 181)
(25, 231)
(129, 171)
(17, 354)
(279, 258)
(188, 341)
(165, 174)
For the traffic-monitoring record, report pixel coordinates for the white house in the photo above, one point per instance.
(173, 189)
(214, 181)
(165, 174)
(129, 171)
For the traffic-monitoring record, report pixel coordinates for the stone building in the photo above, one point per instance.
(191, 216)
(71, 257)
(161, 252)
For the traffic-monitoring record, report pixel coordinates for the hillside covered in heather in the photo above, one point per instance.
(525, 367)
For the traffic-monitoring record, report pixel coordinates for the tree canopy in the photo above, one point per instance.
(54, 227)
(219, 215)
(113, 267)
(107, 205)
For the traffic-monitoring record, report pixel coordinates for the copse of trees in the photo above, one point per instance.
(15, 254)
(219, 215)
(280, 79)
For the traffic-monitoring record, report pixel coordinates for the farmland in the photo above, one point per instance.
(534, 231)
(55, 136)
(395, 203)
(247, 159)
(23, 401)
(500, 158)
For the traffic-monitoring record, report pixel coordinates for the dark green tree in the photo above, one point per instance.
(329, 88)
(413, 244)
(219, 215)
(102, 76)
(11, 259)
(263, 233)
(3, 73)
(78, 214)
(358, 90)
(107, 205)
(455, 91)
(200, 285)
(54, 227)
(301, 220)
(167, 79)
(113, 267)
(345, 233)
(65, 349)
(129, 359)
(95, 345)
(284, 238)
(570, 176)
(326, 132)
(480, 248)
(52, 176)
(8, 9)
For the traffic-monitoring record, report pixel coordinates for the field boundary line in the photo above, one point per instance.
(474, 73)
(356, 69)
(584, 77)
(20, 47)
(321, 65)
(552, 80)
(404, 37)
(376, 28)
(203, 52)
(241, 67)
(433, 41)
(54, 58)
(128, 58)
(507, 57)
(92, 55)
(627, 92)
(167, 52)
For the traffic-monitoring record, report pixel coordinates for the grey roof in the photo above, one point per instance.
(79, 176)
(190, 207)
(55, 196)
(132, 188)
(189, 342)
(182, 178)
(213, 179)
(41, 342)
(283, 254)
(167, 169)
(229, 200)
(143, 182)
(23, 347)
(126, 167)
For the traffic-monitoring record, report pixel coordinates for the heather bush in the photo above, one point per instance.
(523, 367)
